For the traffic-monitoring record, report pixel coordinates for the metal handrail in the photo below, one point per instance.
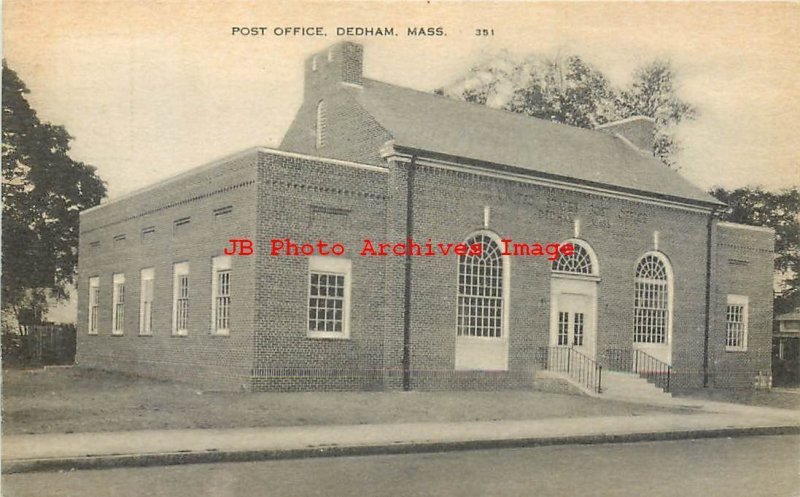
(652, 369)
(577, 365)
(640, 362)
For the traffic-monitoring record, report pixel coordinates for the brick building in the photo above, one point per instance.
(653, 273)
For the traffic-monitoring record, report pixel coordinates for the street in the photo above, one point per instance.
(755, 466)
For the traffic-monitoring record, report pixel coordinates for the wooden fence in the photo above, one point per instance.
(40, 345)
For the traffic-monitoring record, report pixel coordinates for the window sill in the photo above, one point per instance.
(734, 350)
(179, 334)
(221, 333)
(117, 334)
(316, 335)
(92, 333)
(469, 338)
(148, 334)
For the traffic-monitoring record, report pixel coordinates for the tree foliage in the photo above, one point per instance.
(43, 192)
(780, 211)
(567, 89)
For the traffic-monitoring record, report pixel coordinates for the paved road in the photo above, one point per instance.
(756, 466)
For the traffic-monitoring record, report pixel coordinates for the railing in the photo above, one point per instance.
(648, 367)
(577, 365)
(653, 370)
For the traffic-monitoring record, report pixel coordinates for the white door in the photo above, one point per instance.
(574, 326)
(573, 317)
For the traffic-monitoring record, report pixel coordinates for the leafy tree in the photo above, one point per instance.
(567, 89)
(43, 192)
(652, 94)
(780, 211)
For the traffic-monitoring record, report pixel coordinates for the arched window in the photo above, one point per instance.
(651, 302)
(480, 290)
(582, 260)
(321, 124)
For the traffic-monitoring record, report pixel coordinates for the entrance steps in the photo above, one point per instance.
(616, 385)
(631, 387)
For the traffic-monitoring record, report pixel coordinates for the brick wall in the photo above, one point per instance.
(200, 357)
(743, 259)
(308, 200)
(351, 133)
(448, 206)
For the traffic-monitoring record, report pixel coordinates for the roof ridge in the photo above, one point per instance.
(517, 115)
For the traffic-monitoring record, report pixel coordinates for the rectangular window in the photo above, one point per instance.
(221, 295)
(736, 323)
(147, 277)
(94, 304)
(563, 328)
(119, 240)
(578, 329)
(118, 305)
(180, 299)
(328, 297)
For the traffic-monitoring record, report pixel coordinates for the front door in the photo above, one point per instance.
(573, 317)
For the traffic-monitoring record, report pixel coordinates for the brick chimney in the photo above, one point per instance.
(341, 63)
(638, 131)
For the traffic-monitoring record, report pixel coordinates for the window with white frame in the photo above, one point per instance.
(329, 297)
(146, 278)
(221, 295)
(480, 290)
(180, 298)
(322, 123)
(94, 304)
(580, 262)
(736, 323)
(651, 300)
(118, 305)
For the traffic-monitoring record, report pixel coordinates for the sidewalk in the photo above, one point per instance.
(49, 452)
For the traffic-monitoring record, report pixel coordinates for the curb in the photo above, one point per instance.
(216, 456)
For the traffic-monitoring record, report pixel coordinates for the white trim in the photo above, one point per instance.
(117, 279)
(562, 289)
(336, 265)
(728, 224)
(145, 275)
(220, 263)
(661, 351)
(744, 302)
(230, 158)
(595, 274)
(94, 283)
(476, 353)
(180, 269)
(389, 154)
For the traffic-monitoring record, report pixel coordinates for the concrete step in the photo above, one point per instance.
(630, 386)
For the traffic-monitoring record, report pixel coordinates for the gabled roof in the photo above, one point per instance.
(432, 123)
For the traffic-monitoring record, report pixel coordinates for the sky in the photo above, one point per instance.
(151, 89)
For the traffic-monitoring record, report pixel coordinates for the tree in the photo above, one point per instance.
(652, 94)
(43, 192)
(780, 211)
(567, 89)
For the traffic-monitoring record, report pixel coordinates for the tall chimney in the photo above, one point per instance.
(341, 63)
